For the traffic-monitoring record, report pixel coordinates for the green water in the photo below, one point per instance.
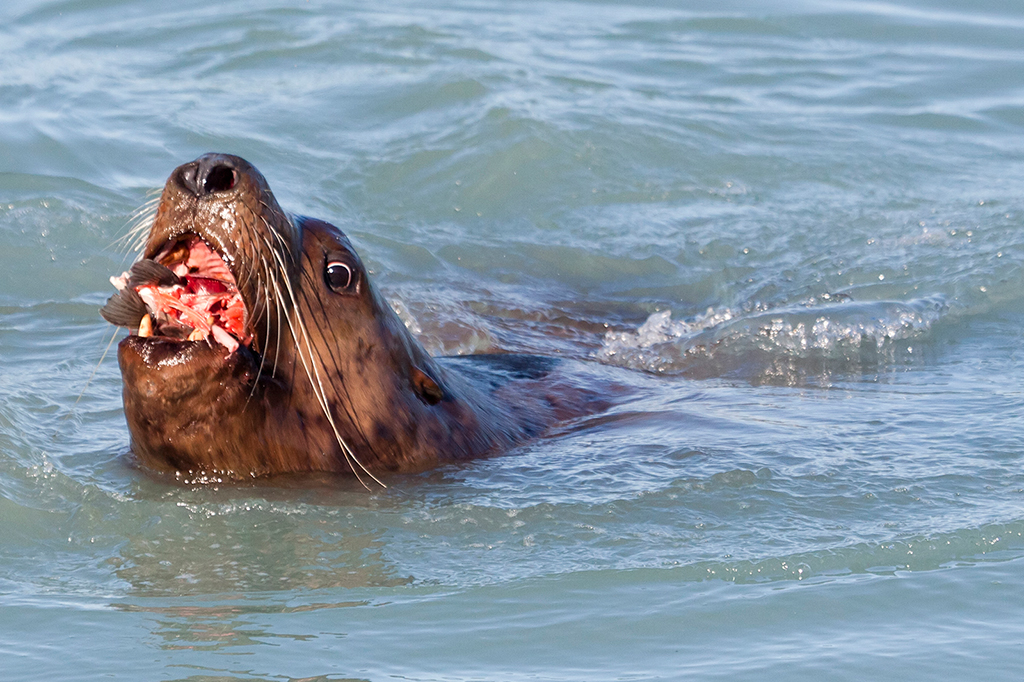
(793, 232)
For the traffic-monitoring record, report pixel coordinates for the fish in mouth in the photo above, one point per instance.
(186, 291)
(259, 346)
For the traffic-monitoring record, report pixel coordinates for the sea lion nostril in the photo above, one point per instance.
(219, 179)
(209, 174)
(188, 176)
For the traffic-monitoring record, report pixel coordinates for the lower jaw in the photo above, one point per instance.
(216, 336)
(180, 366)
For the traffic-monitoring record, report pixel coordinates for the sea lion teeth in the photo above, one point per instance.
(146, 326)
(196, 335)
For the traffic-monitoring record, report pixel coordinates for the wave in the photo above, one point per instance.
(785, 344)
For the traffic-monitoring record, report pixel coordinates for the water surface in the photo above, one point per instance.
(793, 232)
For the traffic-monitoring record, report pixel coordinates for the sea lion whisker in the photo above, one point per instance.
(281, 241)
(320, 393)
(143, 214)
(243, 278)
(318, 387)
(92, 375)
(137, 227)
(273, 229)
(280, 313)
(146, 206)
(271, 279)
(245, 273)
(325, 331)
(266, 314)
(263, 362)
(264, 308)
(345, 401)
(294, 309)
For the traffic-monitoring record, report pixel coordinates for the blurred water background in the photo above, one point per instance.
(792, 228)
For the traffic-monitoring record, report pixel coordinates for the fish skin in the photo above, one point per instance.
(149, 272)
(125, 309)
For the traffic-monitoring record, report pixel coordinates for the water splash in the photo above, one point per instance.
(780, 344)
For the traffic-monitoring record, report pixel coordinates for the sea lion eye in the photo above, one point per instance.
(339, 276)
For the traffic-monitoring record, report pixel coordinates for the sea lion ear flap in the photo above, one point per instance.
(425, 387)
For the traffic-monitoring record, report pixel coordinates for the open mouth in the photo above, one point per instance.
(185, 292)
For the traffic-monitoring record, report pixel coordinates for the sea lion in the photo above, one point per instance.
(258, 345)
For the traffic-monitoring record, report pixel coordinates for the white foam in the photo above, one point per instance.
(831, 332)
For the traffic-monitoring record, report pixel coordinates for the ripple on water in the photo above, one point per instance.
(789, 234)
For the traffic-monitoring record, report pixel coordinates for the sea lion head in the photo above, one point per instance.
(258, 345)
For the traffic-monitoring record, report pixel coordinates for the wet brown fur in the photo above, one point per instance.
(334, 383)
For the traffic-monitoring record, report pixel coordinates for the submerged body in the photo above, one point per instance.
(259, 346)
